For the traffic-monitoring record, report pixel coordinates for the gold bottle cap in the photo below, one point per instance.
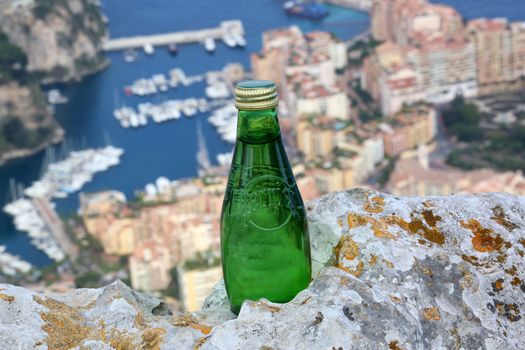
(253, 95)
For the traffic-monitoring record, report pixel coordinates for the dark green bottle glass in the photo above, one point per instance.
(264, 238)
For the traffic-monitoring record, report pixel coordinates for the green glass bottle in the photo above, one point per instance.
(264, 238)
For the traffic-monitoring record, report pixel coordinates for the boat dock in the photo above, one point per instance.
(360, 5)
(226, 27)
(56, 227)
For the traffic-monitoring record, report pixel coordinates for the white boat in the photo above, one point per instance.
(225, 120)
(130, 56)
(55, 97)
(142, 119)
(225, 159)
(11, 264)
(218, 90)
(239, 40)
(209, 44)
(149, 49)
(190, 107)
(229, 40)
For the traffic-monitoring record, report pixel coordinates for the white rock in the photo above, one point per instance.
(416, 273)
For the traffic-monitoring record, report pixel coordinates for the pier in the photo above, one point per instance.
(360, 5)
(56, 227)
(184, 37)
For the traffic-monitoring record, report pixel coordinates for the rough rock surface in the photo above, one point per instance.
(390, 273)
(60, 38)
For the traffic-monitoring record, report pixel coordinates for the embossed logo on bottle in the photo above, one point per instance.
(267, 202)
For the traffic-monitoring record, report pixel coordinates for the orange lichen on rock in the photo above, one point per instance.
(471, 259)
(379, 226)
(498, 285)
(356, 220)
(430, 218)
(273, 309)
(199, 343)
(428, 204)
(513, 270)
(394, 345)
(380, 229)
(498, 215)
(64, 325)
(373, 260)
(347, 248)
(417, 227)
(388, 263)
(356, 272)
(375, 204)
(467, 281)
(188, 320)
(140, 323)
(119, 340)
(394, 298)
(8, 298)
(483, 241)
(516, 281)
(431, 314)
(152, 338)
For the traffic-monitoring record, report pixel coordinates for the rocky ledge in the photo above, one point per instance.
(390, 273)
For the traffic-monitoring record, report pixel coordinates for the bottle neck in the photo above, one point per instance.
(258, 126)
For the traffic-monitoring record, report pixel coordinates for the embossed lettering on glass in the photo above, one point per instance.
(264, 237)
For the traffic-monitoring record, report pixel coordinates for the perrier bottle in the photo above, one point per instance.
(264, 238)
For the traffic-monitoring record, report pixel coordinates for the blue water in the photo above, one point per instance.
(156, 150)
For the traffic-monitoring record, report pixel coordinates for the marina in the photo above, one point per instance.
(12, 265)
(217, 91)
(161, 83)
(225, 121)
(129, 117)
(32, 210)
(228, 31)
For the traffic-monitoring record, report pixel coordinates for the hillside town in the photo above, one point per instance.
(381, 111)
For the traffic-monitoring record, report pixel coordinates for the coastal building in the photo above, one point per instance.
(418, 177)
(106, 216)
(408, 129)
(436, 71)
(403, 21)
(493, 41)
(339, 55)
(169, 224)
(447, 67)
(399, 86)
(316, 137)
(271, 61)
(331, 179)
(518, 50)
(304, 66)
(119, 238)
(196, 279)
(446, 57)
(150, 266)
(306, 96)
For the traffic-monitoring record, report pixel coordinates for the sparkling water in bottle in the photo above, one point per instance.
(264, 237)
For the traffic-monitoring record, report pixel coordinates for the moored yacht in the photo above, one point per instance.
(149, 49)
(209, 44)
